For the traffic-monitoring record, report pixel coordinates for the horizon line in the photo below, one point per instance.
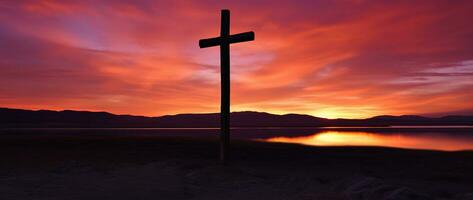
(101, 111)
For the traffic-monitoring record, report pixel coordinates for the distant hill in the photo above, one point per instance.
(16, 118)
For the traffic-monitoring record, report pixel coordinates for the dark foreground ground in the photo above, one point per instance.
(179, 168)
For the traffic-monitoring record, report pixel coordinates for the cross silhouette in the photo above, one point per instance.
(224, 42)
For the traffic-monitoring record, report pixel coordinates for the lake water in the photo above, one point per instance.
(412, 137)
(437, 141)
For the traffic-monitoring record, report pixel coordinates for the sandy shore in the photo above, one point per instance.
(179, 168)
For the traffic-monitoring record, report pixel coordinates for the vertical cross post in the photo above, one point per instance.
(224, 42)
(225, 86)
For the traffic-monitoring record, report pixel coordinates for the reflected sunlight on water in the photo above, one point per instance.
(347, 138)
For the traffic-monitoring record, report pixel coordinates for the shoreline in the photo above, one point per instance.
(187, 168)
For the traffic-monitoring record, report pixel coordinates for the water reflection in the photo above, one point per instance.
(439, 138)
(348, 138)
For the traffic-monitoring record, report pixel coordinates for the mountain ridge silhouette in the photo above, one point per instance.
(21, 118)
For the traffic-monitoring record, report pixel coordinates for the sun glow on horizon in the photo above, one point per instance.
(335, 112)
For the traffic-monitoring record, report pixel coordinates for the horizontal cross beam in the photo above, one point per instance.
(240, 37)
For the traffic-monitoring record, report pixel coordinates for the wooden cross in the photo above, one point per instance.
(224, 42)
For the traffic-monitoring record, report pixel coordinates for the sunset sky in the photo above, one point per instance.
(335, 59)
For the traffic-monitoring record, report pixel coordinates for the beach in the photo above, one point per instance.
(188, 168)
